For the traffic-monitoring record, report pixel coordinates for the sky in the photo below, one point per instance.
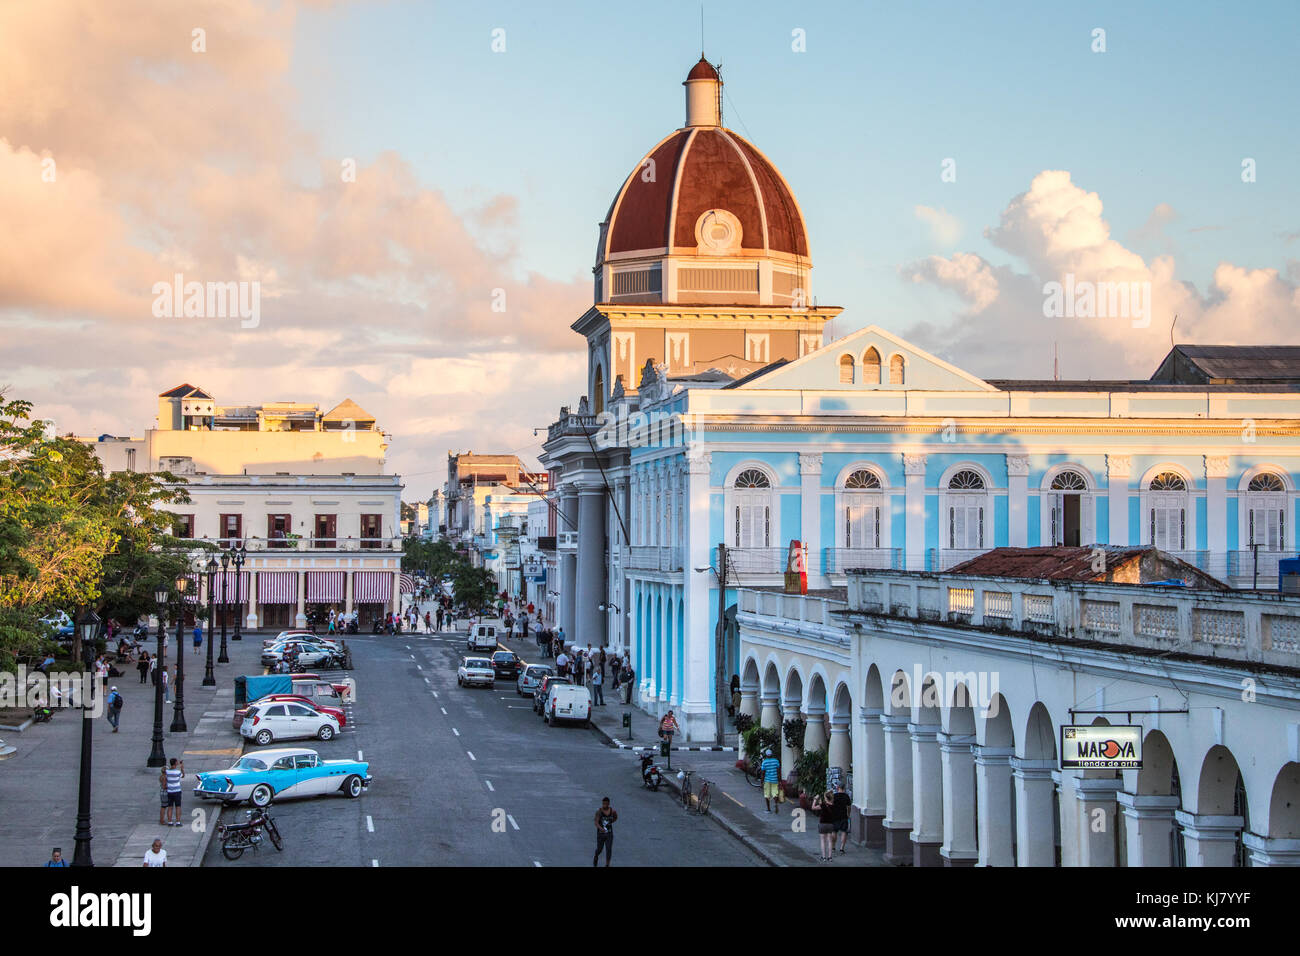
(420, 209)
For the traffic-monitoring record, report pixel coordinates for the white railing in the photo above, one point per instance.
(1231, 625)
(805, 608)
(309, 543)
(839, 560)
(757, 560)
(654, 558)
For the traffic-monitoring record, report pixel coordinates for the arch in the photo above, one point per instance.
(793, 686)
(1284, 804)
(771, 679)
(873, 696)
(1051, 476)
(842, 702)
(815, 696)
(928, 707)
(1167, 516)
(871, 366)
(1217, 785)
(897, 369)
(948, 473)
(750, 464)
(1159, 766)
(749, 674)
(1168, 481)
(1250, 474)
(1040, 734)
(959, 715)
(995, 724)
(1150, 475)
(967, 480)
(846, 369)
(899, 700)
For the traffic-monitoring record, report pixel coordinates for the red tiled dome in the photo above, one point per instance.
(702, 71)
(694, 170)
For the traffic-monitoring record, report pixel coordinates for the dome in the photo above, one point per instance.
(704, 191)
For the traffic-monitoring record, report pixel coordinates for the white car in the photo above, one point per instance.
(305, 636)
(265, 723)
(476, 670)
(482, 637)
(309, 655)
(568, 702)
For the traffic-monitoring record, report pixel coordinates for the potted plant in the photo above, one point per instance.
(793, 730)
(810, 776)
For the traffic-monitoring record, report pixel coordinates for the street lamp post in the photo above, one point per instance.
(88, 627)
(209, 680)
(178, 709)
(225, 608)
(241, 555)
(157, 757)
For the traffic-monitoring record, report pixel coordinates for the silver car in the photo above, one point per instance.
(531, 679)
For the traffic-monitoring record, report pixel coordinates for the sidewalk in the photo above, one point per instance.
(39, 783)
(736, 806)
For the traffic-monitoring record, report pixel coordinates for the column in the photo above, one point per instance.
(1271, 851)
(869, 777)
(1216, 514)
(568, 562)
(814, 735)
(590, 593)
(748, 706)
(914, 542)
(1210, 840)
(840, 753)
(395, 599)
(1035, 791)
(810, 515)
(789, 755)
(958, 765)
(349, 591)
(1118, 468)
(1097, 821)
(1148, 828)
(700, 600)
(250, 622)
(770, 715)
(927, 795)
(898, 789)
(1018, 501)
(618, 622)
(301, 619)
(993, 789)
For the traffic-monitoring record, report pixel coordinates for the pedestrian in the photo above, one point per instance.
(770, 768)
(614, 663)
(114, 710)
(170, 781)
(166, 686)
(198, 634)
(840, 803)
(736, 699)
(56, 858)
(101, 668)
(606, 816)
(559, 634)
(155, 855)
(153, 669)
(597, 689)
(428, 623)
(439, 618)
(668, 727)
(562, 664)
(629, 678)
(823, 806)
(142, 665)
(602, 661)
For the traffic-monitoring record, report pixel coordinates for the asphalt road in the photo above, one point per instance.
(472, 777)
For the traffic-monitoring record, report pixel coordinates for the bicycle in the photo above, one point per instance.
(753, 774)
(702, 800)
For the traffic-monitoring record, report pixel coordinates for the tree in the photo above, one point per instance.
(476, 588)
(435, 558)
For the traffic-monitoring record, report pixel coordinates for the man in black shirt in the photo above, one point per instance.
(605, 818)
(840, 804)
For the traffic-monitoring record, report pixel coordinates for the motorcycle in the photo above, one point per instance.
(238, 837)
(651, 777)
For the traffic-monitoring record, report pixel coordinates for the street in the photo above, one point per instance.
(472, 777)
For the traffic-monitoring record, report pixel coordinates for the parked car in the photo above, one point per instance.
(506, 665)
(335, 712)
(59, 623)
(265, 723)
(531, 677)
(309, 654)
(568, 702)
(307, 636)
(475, 670)
(336, 693)
(284, 772)
(549, 681)
(482, 637)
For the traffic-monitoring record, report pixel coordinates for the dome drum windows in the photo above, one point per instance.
(871, 367)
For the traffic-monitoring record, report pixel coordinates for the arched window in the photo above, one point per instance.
(1070, 511)
(966, 511)
(1167, 513)
(846, 369)
(896, 366)
(863, 508)
(598, 392)
(1266, 512)
(871, 367)
(751, 510)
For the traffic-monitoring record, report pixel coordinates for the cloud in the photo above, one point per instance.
(944, 226)
(1057, 232)
(167, 160)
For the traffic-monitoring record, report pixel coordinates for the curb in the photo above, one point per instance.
(20, 728)
(671, 783)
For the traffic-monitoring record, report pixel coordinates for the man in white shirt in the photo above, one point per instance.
(155, 855)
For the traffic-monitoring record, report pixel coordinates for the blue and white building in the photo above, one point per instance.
(715, 414)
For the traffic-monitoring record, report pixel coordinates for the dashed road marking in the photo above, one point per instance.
(358, 754)
(370, 824)
(408, 647)
(471, 755)
(418, 667)
(374, 862)
(444, 711)
(732, 799)
(455, 731)
(489, 786)
(537, 862)
(512, 821)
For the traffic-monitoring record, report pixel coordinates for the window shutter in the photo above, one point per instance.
(1087, 519)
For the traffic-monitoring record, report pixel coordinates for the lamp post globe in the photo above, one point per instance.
(209, 679)
(178, 708)
(157, 756)
(87, 625)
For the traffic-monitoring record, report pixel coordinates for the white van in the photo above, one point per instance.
(482, 637)
(568, 702)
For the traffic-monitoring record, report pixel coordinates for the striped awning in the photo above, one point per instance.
(277, 587)
(192, 589)
(373, 587)
(325, 587)
(231, 594)
(408, 583)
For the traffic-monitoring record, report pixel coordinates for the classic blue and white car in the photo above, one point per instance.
(285, 772)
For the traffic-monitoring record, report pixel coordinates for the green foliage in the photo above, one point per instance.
(757, 739)
(810, 772)
(743, 721)
(435, 558)
(473, 587)
(793, 729)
